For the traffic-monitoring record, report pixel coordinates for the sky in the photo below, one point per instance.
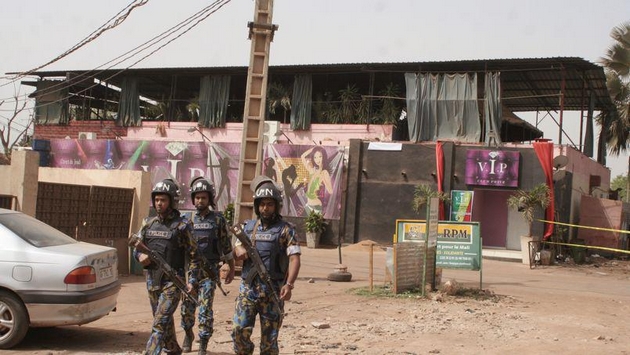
(311, 32)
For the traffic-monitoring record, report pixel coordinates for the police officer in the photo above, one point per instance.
(277, 244)
(213, 244)
(171, 236)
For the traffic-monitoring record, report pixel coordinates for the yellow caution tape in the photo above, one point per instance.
(587, 227)
(590, 247)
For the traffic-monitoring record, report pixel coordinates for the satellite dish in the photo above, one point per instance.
(559, 175)
(560, 161)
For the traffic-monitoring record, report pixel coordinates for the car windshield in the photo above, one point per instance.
(34, 231)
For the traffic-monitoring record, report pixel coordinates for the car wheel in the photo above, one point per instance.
(13, 320)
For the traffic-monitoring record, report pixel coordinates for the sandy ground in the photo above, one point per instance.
(553, 309)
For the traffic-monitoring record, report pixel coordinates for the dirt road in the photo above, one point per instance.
(561, 310)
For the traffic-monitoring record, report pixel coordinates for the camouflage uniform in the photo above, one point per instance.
(213, 243)
(275, 245)
(163, 294)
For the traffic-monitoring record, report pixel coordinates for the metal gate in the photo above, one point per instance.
(85, 212)
(8, 201)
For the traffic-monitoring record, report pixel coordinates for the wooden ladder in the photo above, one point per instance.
(261, 33)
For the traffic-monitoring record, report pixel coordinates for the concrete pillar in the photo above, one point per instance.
(24, 179)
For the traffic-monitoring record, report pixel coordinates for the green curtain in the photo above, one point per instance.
(302, 102)
(129, 105)
(213, 100)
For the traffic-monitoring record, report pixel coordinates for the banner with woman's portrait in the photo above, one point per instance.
(310, 175)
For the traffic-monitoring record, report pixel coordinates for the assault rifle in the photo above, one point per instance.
(257, 262)
(216, 278)
(136, 242)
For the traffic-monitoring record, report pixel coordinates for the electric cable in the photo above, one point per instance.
(117, 20)
(200, 16)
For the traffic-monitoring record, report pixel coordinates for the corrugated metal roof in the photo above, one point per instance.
(528, 84)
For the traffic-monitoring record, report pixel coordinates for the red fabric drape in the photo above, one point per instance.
(439, 161)
(544, 151)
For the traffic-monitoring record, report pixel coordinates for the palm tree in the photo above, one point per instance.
(528, 201)
(616, 125)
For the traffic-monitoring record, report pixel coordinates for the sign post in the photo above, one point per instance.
(459, 244)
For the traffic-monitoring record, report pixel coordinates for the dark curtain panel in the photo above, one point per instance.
(416, 127)
(213, 100)
(442, 107)
(129, 105)
(493, 112)
(51, 103)
(302, 102)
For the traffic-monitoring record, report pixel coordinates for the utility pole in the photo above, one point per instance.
(261, 33)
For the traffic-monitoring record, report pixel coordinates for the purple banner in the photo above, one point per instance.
(492, 167)
(311, 176)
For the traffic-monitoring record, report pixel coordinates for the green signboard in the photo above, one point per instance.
(458, 243)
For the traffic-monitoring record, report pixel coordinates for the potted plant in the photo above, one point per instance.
(527, 202)
(314, 225)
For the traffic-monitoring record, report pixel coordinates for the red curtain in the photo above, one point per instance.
(544, 151)
(439, 161)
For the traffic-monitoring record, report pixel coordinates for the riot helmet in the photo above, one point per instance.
(166, 187)
(201, 184)
(264, 187)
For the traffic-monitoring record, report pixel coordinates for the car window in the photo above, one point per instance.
(34, 231)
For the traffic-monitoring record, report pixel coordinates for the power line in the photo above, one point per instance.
(199, 16)
(117, 20)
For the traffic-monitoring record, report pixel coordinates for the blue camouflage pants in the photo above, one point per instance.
(163, 304)
(249, 303)
(206, 314)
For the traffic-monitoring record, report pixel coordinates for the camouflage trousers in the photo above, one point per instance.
(249, 303)
(164, 303)
(206, 314)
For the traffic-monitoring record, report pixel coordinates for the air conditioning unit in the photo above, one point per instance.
(87, 135)
(271, 131)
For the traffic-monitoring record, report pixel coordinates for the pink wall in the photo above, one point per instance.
(323, 134)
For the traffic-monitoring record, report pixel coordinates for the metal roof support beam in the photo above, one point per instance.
(582, 98)
(563, 85)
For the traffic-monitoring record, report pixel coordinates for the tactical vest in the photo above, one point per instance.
(163, 239)
(206, 234)
(268, 245)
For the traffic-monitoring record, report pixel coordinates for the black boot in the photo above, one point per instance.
(188, 339)
(203, 345)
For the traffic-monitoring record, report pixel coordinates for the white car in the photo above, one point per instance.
(49, 279)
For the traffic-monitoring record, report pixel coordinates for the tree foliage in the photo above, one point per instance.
(528, 201)
(620, 182)
(6, 138)
(616, 124)
(422, 195)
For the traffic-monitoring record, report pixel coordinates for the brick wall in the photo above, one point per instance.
(103, 130)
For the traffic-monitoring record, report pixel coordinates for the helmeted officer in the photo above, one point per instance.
(278, 246)
(213, 245)
(170, 235)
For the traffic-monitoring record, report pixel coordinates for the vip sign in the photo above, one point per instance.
(492, 167)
